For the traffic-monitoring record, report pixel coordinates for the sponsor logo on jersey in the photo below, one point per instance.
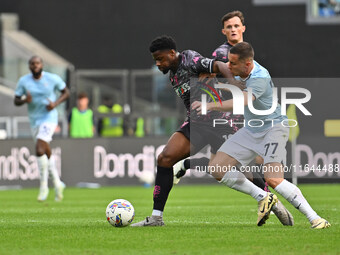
(182, 89)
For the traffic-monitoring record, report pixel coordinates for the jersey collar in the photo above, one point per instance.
(251, 72)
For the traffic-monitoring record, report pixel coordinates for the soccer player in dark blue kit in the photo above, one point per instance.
(196, 132)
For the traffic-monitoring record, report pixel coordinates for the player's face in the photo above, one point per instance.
(233, 29)
(83, 103)
(164, 59)
(36, 66)
(237, 67)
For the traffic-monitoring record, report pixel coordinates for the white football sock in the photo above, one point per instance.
(43, 169)
(294, 196)
(237, 180)
(157, 213)
(53, 171)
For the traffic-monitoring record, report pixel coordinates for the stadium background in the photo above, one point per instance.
(116, 35)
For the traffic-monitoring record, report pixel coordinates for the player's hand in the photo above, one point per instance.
(28, 97)
(197, 105)
(206, 77)
(50, 106)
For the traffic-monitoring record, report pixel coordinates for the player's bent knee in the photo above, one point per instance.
(273, 182)
(39, 151)
(165, 160)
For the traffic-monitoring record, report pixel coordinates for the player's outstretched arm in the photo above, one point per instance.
(20, 100)
(226, 105)
(65, 93)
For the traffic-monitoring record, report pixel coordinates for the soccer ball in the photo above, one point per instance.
(120, 213)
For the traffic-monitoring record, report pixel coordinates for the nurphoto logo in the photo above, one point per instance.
(238, 99)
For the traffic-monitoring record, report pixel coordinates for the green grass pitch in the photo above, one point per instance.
(209, 219)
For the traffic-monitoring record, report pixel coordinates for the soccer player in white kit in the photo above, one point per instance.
(38, 91)
(263, 135)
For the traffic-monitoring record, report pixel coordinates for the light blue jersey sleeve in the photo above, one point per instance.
(60, 84)
(258, 86)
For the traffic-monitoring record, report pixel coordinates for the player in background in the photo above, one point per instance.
(37, 90)
(233, 27)
(197, 131)
(266, 136)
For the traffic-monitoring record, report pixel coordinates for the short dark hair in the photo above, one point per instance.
(163, 42)
(82, 95)
(244, 50)
(232, 14)
(33, 57)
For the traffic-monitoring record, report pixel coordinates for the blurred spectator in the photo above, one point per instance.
(337, 7)
(139, 129)
(81, 123)
(328, 8)
(110, 126)
(162, 97)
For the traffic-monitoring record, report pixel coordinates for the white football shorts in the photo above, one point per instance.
(44, 132)
(270, 144)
